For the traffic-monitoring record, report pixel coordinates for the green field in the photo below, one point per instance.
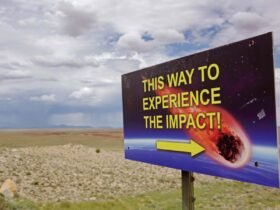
(218, 195)
(212, 193)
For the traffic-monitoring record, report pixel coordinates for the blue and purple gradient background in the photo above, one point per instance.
(247, 87)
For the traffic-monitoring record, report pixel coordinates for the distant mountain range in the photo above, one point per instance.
(58, 127)
(69, 126)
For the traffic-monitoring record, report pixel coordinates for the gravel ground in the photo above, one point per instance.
(79, 173)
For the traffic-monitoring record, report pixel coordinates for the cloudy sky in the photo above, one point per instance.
(61, 61)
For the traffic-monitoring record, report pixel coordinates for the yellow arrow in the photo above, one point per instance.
(190, 147)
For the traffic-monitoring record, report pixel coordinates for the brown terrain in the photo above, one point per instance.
(89, 165)
(77, 171)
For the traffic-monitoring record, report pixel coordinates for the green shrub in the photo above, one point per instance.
(35, 183)
(65, 204)
(3, 204)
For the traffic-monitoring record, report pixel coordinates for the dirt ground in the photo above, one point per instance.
(79, 173)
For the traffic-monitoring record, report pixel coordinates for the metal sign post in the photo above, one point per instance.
(187, 190)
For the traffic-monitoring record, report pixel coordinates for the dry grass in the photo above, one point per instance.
(78, 173)
(65, 165)
(111, 139)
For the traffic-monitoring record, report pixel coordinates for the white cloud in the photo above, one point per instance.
(13, 74)
(133, 41)
(44, 98)
(244, 20)
(81, 93)
(103, 94)
(247, 21)
(18, 73)
(75, 20)
(65, 61)
(144, 15)
(77, 50)
(168, 36)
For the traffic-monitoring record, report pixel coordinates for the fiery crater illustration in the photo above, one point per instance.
(227, 143)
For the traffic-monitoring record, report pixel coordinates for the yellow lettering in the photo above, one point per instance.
(145, 104)
(213, 75)
(160, 82)
(215, 95)
(199, 122)
(190, 122)
(172, 79)
(182, 79)
(202, 100)
(190, 75)
(202, 72)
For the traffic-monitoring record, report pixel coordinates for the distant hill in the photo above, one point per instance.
(69, 126)
(46, 127)
(61, 126)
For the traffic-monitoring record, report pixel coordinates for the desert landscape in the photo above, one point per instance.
(86, 169)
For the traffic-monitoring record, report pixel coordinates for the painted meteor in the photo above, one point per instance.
(227, 143)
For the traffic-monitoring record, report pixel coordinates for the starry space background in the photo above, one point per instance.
(246, 80)
(247, 93)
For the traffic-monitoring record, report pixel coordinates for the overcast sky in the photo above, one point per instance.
(61, 61)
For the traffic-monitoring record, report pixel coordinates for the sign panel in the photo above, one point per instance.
(212, 112)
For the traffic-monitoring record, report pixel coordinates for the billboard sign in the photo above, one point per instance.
(212, 112)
